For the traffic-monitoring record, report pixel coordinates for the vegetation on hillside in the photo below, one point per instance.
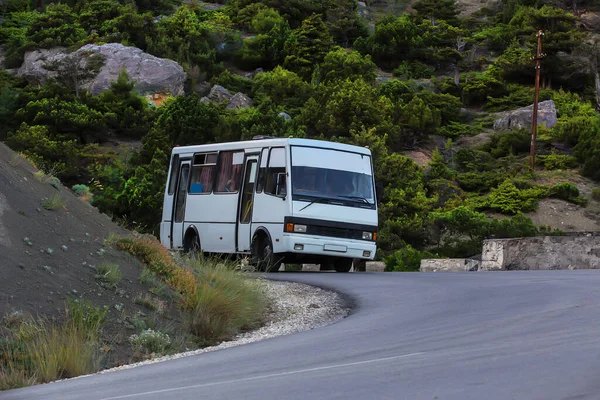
(320, 62)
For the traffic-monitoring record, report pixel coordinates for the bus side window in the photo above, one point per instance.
(276, 166)
(203, 173)
(174, 174)
(230, 171)
(262, 172)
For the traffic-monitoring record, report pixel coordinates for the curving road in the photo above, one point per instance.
(496, 335)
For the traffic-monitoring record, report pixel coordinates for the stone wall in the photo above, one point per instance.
(449, 265)
(541, 253)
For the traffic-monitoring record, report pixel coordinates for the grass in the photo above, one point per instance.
(109, 274)
(53, 202)
(151, 303)
(220, 301)
(596, 194)
(38, 351)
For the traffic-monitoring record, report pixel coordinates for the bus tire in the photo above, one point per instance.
(192, 244)
(266, 260)
(343, 265)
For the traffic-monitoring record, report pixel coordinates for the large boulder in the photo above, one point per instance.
(150, 74)
(240, 100)
(521, 118)
(219, 94)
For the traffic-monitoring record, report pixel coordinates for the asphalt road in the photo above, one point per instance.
(485, 335)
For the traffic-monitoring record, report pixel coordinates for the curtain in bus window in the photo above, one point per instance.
(202, 179)
(230, 169)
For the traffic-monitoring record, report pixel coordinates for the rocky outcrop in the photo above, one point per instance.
(219, 94)
(449, 265)
(541, 253)
(150, 74)
(521, 118)
(240, 100)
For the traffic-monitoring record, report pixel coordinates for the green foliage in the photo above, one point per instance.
(340, 64)
(568, 192)
(436, 9)
(109, 274)
(343, 21)
(587, 149)
(596, 194)
(308, 46)
(406, 259)
(413, 70)
(508, 199)
(557, 161)
(283, 87)
(87, 317)
(512, 142)
(58, 26)
(438, 168)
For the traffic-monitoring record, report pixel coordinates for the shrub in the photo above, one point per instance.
(82, 191)
(150, 342)
(557, 161)
(513, 142)
(596, 194)
(568, 192)
(86, 317)
(53, 203)
(406, 259)
(109, 274)
(508, 199)
(480, 181)
(226, 301)
(151, 303)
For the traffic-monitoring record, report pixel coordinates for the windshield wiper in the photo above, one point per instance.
(318, 199)
(358, 198)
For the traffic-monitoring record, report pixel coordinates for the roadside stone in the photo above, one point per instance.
(449, 265)
(240, 100)
(219, 94)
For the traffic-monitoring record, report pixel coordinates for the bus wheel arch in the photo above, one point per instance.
(191, 240)
(262, 251)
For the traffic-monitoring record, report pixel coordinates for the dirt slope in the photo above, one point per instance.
(36, 280)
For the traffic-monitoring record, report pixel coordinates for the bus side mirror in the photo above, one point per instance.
(379, 191)
(281, 187)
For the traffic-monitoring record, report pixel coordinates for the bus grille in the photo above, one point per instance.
(335, 232)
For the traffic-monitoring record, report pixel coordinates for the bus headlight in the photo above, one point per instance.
(300, 228)
(290, 227)
(367, 235)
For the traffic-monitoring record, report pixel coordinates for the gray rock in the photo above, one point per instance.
(521, 118)
(240, 100)
(204, 100)
(219, 94)
(541, 253)
(284, 115)
(150, 74)
(449, 265)
(33, 65)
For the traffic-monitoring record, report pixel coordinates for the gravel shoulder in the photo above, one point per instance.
(295, 308)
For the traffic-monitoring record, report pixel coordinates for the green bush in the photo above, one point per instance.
(480, 181)
(557, 161)
(512, 142)
(596, 194)
(413, 70)
(233, 82)
(568, 192)
(407, 259)
(508, 199)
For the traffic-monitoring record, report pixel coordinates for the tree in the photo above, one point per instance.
(76, 68)
(341, 64)
(58, 26)
(283, 87)
(308, 46)
(434, 10)
(343, 21)
(126, 113)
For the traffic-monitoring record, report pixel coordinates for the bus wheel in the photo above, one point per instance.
(343, 264)
(193, 246)
(267, 261)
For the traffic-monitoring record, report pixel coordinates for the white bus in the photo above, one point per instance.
(277, 200)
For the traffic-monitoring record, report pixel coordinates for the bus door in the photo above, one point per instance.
(179, 205)
(246, 204)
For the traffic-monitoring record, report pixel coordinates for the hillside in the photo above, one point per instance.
(51, 255)
(424, 80)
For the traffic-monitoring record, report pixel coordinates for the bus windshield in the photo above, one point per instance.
(332, 174)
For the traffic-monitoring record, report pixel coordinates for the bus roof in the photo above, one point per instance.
(259, 143)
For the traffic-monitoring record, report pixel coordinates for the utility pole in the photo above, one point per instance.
(536, 97)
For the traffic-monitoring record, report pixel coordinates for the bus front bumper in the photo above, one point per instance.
(326, 246)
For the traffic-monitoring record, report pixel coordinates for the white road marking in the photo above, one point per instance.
(299, 371)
